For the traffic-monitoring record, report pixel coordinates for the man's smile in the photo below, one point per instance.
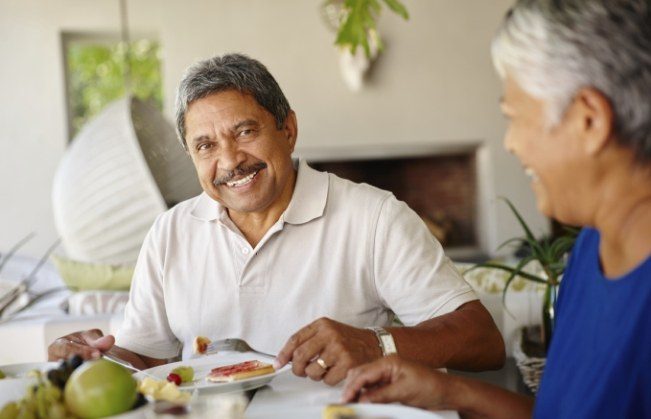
(241, 176)
(243, 181)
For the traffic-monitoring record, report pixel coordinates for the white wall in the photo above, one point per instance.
(433, 84)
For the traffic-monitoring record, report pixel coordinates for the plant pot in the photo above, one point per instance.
(529, 353)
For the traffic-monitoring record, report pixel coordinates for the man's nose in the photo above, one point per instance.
(230, 157)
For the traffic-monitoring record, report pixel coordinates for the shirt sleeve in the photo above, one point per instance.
(413, 276)
(145, 329)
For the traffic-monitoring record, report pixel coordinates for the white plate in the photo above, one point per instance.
(384, 411)
(204, 364)
(20, 370)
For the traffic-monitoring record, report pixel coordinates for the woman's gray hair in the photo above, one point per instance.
(229, 72)
(553, 48)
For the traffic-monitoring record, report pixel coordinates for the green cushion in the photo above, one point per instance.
(81, 276)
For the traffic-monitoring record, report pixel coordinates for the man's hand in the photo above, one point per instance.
(392, 379)
(88, 344)
(326, 350)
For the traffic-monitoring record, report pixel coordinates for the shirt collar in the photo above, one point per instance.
(308, 200)
(310, 195)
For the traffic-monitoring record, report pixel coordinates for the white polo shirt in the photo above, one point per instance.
(347, 251)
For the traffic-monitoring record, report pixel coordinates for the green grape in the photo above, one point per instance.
(26, 411)
(34, 374)
(57, 411)
(9, 411)
(41, 402)
(53, 393)
(2, 375)
(186, 373)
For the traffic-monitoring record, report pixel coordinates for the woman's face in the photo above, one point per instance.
(550, 155)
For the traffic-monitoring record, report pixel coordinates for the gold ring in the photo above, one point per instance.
(322, 363)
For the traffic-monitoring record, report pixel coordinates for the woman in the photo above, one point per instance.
(577, 94)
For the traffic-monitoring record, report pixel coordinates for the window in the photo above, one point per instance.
(96, 74)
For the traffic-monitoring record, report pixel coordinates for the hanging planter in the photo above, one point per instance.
(358, 40)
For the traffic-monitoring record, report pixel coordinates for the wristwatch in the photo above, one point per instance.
(386, 342)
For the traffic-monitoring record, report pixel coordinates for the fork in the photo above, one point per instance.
(232, 344)
(127, 365)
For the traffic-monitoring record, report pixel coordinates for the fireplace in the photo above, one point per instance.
(439, 184)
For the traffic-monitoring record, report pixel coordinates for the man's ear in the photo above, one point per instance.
(290, 128)
(595, 119)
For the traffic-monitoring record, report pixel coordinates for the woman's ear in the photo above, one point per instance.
(595, 119)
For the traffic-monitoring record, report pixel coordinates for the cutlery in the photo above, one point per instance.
(232, 344)
(127, 365)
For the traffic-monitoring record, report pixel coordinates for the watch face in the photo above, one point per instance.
(388, 345)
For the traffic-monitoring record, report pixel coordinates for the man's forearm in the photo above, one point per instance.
(465, 339)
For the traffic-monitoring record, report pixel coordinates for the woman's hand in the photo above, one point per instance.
(392, 379)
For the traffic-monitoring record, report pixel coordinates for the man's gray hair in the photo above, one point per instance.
(553, 48)
(229, 72)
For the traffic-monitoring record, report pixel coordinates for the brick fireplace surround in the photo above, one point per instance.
(440, 186)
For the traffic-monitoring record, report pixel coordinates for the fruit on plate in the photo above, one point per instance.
(186, 373)
(100, 388)
(174, 378)
(200, 345)
(338, 411)
(41, 400)
(162, 390)
(59, 375)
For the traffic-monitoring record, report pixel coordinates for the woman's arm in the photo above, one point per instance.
(394, 380)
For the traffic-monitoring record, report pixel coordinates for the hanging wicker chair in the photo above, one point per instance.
(123, 169)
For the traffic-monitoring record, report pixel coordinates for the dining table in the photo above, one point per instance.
(288, 397)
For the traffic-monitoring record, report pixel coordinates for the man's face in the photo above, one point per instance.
(243, 161)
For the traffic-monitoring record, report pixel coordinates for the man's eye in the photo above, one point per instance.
(204, 146)
(246, 133)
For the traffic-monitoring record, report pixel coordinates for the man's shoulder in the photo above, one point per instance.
(181, 212)
(357, 193)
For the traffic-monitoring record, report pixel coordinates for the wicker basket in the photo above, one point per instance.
(531, 367)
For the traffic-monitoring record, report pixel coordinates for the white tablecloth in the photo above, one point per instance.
(288, 392)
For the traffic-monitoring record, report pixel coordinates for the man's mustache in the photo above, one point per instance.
(239, 171)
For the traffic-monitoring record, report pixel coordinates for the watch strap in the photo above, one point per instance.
(385, 341)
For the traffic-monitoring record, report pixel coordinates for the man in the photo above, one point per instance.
(272, 247)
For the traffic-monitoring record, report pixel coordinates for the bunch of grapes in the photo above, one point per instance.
(59, 376)
(42, 400)
(45, 399)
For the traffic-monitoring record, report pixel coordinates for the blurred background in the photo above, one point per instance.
(424, 122)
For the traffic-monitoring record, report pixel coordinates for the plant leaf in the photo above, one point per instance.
(507, 268)
(359, 23)
(511, 240)
(517, 271)
(398, 7)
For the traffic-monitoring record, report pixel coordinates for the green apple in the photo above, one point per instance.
(100, 388)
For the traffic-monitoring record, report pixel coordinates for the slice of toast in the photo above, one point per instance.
(235, 372)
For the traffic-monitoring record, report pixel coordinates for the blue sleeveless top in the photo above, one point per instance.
(599, 360)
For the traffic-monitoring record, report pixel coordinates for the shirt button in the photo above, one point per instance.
(245, 250)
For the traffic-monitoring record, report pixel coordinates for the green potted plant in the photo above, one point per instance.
(551, 256)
